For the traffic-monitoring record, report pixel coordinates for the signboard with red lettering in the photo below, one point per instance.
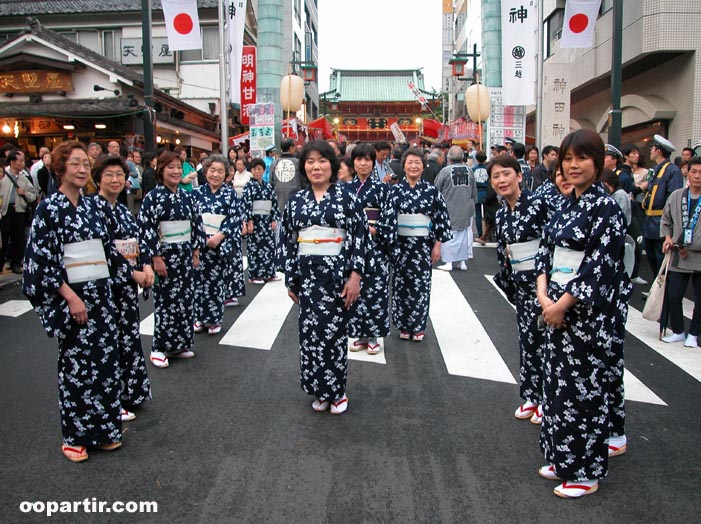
(248, 82)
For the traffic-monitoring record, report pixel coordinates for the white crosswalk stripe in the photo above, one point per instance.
(634, 388)
(15, 308)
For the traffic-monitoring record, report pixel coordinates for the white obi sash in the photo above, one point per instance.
(85, 261)
(566, 263)
(262, 207)
(319, 240)
(175, 231)
(522, 255)
(212, 223)
(129, 249)
(413, 225)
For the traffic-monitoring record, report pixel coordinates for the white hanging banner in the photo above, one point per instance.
(182, 24)
(519, 23)
(235, 24)
(578, 27)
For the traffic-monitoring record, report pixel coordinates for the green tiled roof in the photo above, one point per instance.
(364, 85)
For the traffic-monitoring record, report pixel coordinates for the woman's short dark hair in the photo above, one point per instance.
(163, 160)
(552, 171)
(363, 150)
(104, 161)
(413, 151)
(503, 161)
(611, 178)
(256, 162)
(325, 150)
(588, 143)
(349, 163)
(61, 153)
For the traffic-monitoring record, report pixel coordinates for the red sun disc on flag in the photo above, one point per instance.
(579, 23)
(182, 23)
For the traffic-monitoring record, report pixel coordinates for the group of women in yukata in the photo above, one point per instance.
(85, 260)
(560, 253)
(340, 242)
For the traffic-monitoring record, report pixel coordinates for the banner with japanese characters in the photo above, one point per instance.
(248, 82)
(235, 25)
(505, 121)
(519, 23)
(556, 103)
(262, 126)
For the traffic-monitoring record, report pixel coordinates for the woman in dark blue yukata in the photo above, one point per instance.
(262, 215)
(324, 234)
(221, 214)
(371, 318)
(110, 174)
(519, 230)
(171, 228)
(70, 263)
(584, 292)
(422, 224)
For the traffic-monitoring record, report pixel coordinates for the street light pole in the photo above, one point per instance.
(615, 116)
(150, 117)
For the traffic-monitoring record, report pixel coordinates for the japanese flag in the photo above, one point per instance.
(578, 27)
(182, 24)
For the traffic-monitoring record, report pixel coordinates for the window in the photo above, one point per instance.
(605, 6)
(210, 47)
(298, 49)
(89, 39)
(554, 30)
(110, 44)
(298, 10)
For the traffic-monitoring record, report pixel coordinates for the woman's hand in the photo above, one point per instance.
(214, 241)
(139, 277)
(159, 266)
(196, 258)
(668, 244)
(249, 227)
(294, 297)
(79, 313)
(436, 253)
(150, 277)
(273, 224)
(373, 231)
(351, 291)
(554, 315)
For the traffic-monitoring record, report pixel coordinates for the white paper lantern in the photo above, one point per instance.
(477, 102)
(291, 93)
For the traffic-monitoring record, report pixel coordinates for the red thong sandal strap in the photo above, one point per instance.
(575, 486)
(79, 450)
(344, 399)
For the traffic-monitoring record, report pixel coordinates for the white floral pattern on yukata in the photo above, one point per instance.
(173, 296)
(411, 282)
(579, 372)
(260, 244)
(318, 282)
(88, 363)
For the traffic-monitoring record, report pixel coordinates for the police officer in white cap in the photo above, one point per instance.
(665, 179)
(612, 158)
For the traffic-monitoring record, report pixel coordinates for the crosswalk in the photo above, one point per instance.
(465, 344)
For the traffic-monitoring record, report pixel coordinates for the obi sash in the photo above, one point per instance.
(319, 240)
(373, 214)
(175, 231)
(566, 263)
(522, 255)
(262, 207)
(129, 249)
(413, 225)
(85, 261)
(212, 223)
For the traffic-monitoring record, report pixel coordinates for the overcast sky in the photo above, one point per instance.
(380, 34)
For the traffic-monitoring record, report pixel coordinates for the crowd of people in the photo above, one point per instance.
(353, 231)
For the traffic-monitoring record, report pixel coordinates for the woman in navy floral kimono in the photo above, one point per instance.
(110, 174)
(422, 224)
(519, 230)
(70, 262)
(171, 228)
(371, 318)
(324, 230)
(262, 215)
(221, 215)
(583, 290)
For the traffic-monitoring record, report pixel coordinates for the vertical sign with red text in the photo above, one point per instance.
(248, 82)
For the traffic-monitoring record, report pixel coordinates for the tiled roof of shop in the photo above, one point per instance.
(51, 7)
(365, 85)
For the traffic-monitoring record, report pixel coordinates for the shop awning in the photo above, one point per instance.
(431, 127)
(324, 125)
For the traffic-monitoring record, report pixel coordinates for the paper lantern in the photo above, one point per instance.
(477, 102)
(291, 93)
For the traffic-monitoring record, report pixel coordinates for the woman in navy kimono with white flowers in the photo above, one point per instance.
(110, 175)
(262, 215)
(324, 234)
(70, 263)
(221, 215)
(519, 230)
(371, 317)
(422, 224)
(171, 228)
(582, 288)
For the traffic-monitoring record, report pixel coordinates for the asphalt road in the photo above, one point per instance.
(230, 437)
